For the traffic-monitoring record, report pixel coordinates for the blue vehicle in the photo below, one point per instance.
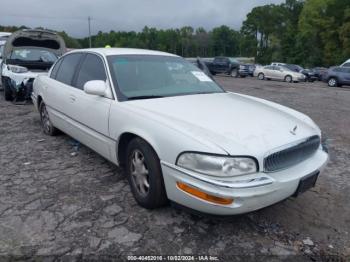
(337, 76)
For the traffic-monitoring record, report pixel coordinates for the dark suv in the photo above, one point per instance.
(337, 76)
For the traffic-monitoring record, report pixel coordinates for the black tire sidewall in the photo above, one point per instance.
(7, 91)
(53, 130)
(156, 196)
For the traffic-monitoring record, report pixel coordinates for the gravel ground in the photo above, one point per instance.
(59, 200)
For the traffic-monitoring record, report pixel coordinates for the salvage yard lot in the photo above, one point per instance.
(59, 199)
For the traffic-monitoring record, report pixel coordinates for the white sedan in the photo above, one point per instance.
(177, 133)
(278, 72)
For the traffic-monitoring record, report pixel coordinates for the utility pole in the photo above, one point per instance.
(89, 22)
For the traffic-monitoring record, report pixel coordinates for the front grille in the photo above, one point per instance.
(292, 155)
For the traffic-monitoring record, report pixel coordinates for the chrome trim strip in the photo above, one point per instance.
(239, 184)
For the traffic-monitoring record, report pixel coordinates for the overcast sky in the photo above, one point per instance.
(71, 15)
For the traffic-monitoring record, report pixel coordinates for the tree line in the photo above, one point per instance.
(305, 32)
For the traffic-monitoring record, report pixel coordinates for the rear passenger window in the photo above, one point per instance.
(55, 69)
(67, 69)
(92, 68)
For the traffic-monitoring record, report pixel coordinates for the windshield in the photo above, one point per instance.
(147, 76)
(33, 55)
(233, 60)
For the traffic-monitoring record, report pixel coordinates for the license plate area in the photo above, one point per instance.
(306, 183)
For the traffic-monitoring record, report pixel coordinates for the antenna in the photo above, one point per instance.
(89, 22)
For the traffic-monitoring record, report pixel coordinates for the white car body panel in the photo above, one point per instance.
(221, 123)
(279, 75)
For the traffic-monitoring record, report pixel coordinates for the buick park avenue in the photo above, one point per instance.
(180, 136)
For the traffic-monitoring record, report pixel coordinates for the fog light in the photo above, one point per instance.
(204, 196)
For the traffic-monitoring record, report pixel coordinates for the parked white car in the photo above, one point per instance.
(279, 73)
(178, 134)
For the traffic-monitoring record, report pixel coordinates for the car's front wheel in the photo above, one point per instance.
(261, 76)
(332, 82)
(145, 175)
(7, 90)
(234, 72)
(288, 79)
(46, 124)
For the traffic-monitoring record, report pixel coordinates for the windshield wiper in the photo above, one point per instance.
(143, 97)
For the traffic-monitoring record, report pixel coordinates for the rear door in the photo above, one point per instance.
(58, 88)
(277, 73)
(268, 71)
(219, 64)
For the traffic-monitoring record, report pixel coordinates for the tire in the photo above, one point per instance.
(46, 124)
(288, 79)
(145, 175)
(261, 76)
(234, 73)
(7, 91)
(333, 82)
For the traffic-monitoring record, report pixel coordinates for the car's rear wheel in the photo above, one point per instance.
(332, 82)
(288, 79)
(46, 124)
(145, 175)
(261, 76)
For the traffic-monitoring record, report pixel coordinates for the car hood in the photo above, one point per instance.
(237, 124)
(35, 38)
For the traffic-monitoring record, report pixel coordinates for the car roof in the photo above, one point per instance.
(123, 51)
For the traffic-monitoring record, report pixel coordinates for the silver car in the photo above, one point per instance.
(279, 73)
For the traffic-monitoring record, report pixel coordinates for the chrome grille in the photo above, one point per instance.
(292, 155)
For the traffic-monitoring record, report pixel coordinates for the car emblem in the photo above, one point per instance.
(294, 130)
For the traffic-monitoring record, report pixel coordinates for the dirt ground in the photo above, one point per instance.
(61, 200)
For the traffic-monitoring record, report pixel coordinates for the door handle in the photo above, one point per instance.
(72, 98)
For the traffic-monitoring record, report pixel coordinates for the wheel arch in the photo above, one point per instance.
(288, 75)
(39, 100)
(123, 142)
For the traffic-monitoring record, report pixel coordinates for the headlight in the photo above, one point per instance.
(17, 69)
(219, 166)
(241, 67)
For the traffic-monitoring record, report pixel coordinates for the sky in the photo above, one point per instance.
(126, 15)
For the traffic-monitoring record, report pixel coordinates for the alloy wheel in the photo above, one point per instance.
(332, 82)
(45, 120)
(139, 173)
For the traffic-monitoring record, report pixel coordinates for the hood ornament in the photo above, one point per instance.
(294, 130)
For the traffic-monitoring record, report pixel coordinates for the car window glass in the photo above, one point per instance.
(148, 75)
(269, 67)
(55, 69)
(67, 69)
(92, 68)
(346, 65)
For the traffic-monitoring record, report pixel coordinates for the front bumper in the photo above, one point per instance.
(250, 192)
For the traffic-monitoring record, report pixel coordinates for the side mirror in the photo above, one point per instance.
(96, 87)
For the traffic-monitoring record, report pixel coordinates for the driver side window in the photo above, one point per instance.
(92, 68)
